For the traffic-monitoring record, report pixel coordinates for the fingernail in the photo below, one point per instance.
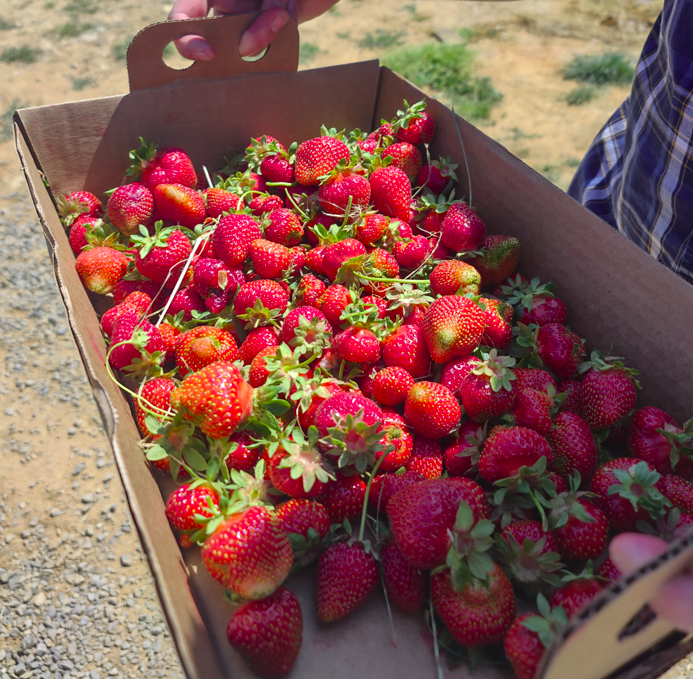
(201, 56)
(246, 45)
(277, 24)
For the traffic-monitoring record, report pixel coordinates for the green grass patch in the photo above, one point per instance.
(381, 40)
(447, 71)
(80, 83)
(72, 29)
(6, 128)
(20, 55)
(602, 69)
(119, 50)
(307, 53)
(81, 7)
(582, 94)
(6, 25)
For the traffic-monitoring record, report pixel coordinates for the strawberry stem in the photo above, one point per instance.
(376, 466)
(377, 279)
(540, 509)
(434, 630)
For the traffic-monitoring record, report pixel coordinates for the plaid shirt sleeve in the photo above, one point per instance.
(638, 173)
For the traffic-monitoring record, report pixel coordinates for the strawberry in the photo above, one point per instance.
(284, 227)
(453, 276)
(462, 228)
(580, 528)
(258, 302)
(380, 264)
(576, 595)
(101, 268)
(344, 499)
(180, 205)
(395, 433)
(544, 309)
(220, 201)
(265, 203)
(627, 492)
(559, 349)
(406, 348)
(153, 398)
(308, 291)
(462, 456)
(423, 517)
(268, 633)
(356, 345)
(507, 449)
(344, 190)
(347, 576)
(129, 207)
(678, 491)
(534, 378)
(257, 340)
(232, 238)
(455, 372)
(161, 256)
(480, 612)
(78, 204)
(571, 388)
(371, 228)
(533, 409)
(431, 410)
(391, 192)
(314, 259)
(499, 259)
(187, 501)
(384, 486)
(169, 337)
(488, 389)
(339, 253)
(298, 517)
(413, 125)
(202, 346)
(139, 302)
(453, 326)
(406, 157)
(413, 253)
(404, 584)
(391, 385)
(426, 458)
(216, 399)
(573, 446)
(83, 226)
(185, 301)
(249, 553)
(435, 176)
(608, 392)
(264, 146)
(127, 351)
(297, 469)
(259, 372)
(241, 455)
(653, 436)
(124, 287)
(608, 571)
(270, 260)
(168, 166)
(316, 157)
(333, 302)
(215, 282)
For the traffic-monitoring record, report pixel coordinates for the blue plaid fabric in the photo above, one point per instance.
(638, 173)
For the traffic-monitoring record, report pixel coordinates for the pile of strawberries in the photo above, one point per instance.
(326, 336)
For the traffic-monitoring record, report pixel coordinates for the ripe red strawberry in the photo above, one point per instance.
(533, 378)
(395, 432)
(125, 287)
(298, 516)
(422, 517)
(678, 491)
(186, 501)
(313, 394)
(572, 388)
(453, 326)
(284, 227)
(533, 409)
(232, 238)
(573, 446)
(371, 228)
(391, 192)
(413, 253)
(435, 176)
(264, 203)
(453, 276)
(83, 226)
(342, 189)
(607, 394)
(161, 256)
(462, 456)
(219, 201)
(257, 340)
(636, 495)
(308, 291)
(258, 374)
(406, 157)
(499, 259)
(431, 410)
(216, 282)
(406, 348)
(559, 349)
(488, 390)
(344, 498)
(380, 264)
(129, 206)
(122, 353)
(508, 448)
(347, 576)
(297, 470)
(78, 204)
(462, 228)
(426, 458)
(186, 301)
(277, 169)
(314, 259)
(333, 302)
(154, 398)
(180, 204)
(580, 528)
(169, 337)
(217, 399)
(647, 443)
(241, 455)
(404, 584)
(249, 553)
(356, 345)
(101, 268)
(391, 385)
(384, 486)
(575, 595)
(455, 372)
(316, 157)
(202, 346)
(139, 302)
(413, 125)
(266, 293)
(168, 166)
(270, 260)
(480, 612)
(268, 633)
(544, 309)
(339, 253)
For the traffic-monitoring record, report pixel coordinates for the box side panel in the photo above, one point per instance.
(618, 297)
(145, 502)
(210, 120)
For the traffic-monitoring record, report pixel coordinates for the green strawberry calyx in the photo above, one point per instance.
(681, 441)
(526, 563)
(140, 158)
(304, 460)
(497, 369)
(566, 505)
(549, 623)
(520, 294)
(601, 363)
(145, 242)
(637, 485)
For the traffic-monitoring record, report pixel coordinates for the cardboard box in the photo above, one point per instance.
(617, 297)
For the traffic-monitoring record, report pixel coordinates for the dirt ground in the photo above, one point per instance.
(521, 46)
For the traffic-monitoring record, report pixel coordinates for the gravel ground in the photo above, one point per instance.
(76, 596)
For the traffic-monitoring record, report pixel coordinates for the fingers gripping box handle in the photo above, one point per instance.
(146, 66)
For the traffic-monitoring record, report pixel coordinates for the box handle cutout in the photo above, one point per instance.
(147, 69)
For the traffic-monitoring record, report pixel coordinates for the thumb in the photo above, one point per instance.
(629, 551)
